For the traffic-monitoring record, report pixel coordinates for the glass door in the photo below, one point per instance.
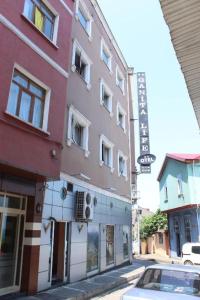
(9, 227)
(66, 254)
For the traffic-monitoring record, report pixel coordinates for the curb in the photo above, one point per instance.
(119, 281)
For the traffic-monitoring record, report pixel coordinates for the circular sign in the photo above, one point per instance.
(146, 159)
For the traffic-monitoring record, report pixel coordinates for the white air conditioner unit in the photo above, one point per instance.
(84, 210)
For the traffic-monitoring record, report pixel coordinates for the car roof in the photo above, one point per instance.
(137, 293)
(175, 267)
(191, 244)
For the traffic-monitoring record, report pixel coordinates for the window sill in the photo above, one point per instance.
(70, 142)
(27, 123)
(122, 90)
(180, 196)
(101, 163)
(123, 176)
(40, 32)
(106, 108)
(109, 68)
(122, 128)
(88, 85)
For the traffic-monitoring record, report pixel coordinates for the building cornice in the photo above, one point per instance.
(109, 32)
(92, 187)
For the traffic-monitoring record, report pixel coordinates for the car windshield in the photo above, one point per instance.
(180, 282)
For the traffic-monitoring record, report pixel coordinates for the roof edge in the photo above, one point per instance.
(109, 32)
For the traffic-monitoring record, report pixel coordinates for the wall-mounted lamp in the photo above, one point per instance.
(53, 153)
(38, 208)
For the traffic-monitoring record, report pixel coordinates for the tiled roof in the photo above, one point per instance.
(183, 157)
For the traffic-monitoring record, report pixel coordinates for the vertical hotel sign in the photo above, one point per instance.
(143, 120)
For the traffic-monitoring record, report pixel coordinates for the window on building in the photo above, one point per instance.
(179, 186)
(121, 117)
(41, 16)
(125, 241)
(160, 237)
(122, 164)
(77, 132)
(120, 79)
(109, 245)
(105, 54)
(166, 193)
(187, 227)
(78, 129)
(106, 152)
(105, 96)
(84, 17)
(81, 63)
(176, 225)
(105, 57)
(26, 100)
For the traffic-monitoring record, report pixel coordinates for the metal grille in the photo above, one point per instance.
(79, 207)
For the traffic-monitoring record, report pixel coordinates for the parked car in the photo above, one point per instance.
(167, 282)
(191, 254)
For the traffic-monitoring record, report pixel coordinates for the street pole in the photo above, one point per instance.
(138, 231)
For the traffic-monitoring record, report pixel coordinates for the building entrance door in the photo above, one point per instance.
(11, 242)
(59, 252)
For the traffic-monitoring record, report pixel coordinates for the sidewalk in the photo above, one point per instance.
(86, 289)
(158, 258)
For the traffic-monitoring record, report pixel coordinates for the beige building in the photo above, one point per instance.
(87, 213)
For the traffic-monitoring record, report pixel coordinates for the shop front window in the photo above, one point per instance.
(125, 241)
(109, 245)
(93, 247)
(187, 227)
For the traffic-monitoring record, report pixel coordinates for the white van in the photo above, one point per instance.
(191, 254)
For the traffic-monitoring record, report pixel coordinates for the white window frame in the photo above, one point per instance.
(120, 74)
(104, 140)
(105, 48)
(56, 22)
(81, 5)
(84, 122)
(125, 158)
(121, 110)
(86, 59)
(110, 94)
(47, 98)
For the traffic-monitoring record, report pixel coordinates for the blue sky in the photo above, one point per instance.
(143, 36)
